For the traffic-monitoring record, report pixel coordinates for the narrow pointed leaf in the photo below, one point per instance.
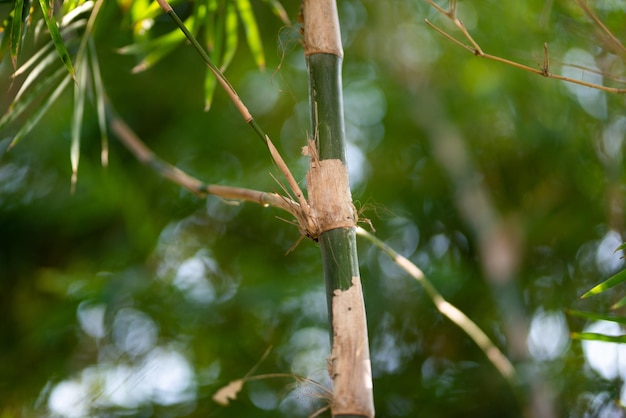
(77, 120)
(594, 316)
(17, 28)
(55, 34)
(620, 303)
(100, 103)
(210, 82)
(155, 49)
(252, 32)
(621, 247)
(279, 11)
(34, 119)
(32, 60)
(607, 284)
(18, 107)
(210, 24)
(592, 336)
(231, 36)
(37, 73)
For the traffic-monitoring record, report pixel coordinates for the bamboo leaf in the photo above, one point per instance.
(18, 107)
(592, 336)
(620, 303)
(593, 316)
(36, 74)
(155, 49)
(100, 103)
(55, 34)
(252, 32)
(210, 24)
(621, 247)
(17, 27)
(77, 120)
(32, 60)
(231, 30)
(210, 82)
(28, 126)
(279, 11)
(607, 284)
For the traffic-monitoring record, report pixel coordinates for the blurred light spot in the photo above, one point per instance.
(607, 259)
(358, 166)
(593, 101)
(613, 140)
(170, 376)
(610, 5)
(364, 104)
(263, 397)
(191, 279)
(307, 350)
(549, 335)
(91, 319)
(123, 386)
(353, 16)
(439, 244)
(68, 399)
(411, 47)
(134, 332)
(438, 374)
(259, 92)
(608, 359)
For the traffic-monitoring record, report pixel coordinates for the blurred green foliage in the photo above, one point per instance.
(134, 297)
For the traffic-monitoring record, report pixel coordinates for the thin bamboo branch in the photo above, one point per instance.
(139, 149)
(493, 353)
(304, 217)
(476, 50)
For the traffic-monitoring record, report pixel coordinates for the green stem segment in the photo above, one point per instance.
(331, 205)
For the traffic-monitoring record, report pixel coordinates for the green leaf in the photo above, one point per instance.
(100, 103)
(593, 316)
(210, 82)
(30, 123)
(619, 304)
(37, 73)
(18, 107)
(607, 284)
(232, 36)
(592, 336)
(621, 247)
(279, 11)
(55, 34)
(252, 32)
(17, 28)
(77, 119)
(210, 24)
(154, 50)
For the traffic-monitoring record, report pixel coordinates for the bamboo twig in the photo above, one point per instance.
(493, 353)
(139, 149)
(245, 113)
(544, 71)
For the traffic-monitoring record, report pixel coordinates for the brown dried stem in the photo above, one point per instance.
(543, 71)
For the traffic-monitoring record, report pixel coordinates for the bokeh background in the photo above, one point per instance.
(133, 297)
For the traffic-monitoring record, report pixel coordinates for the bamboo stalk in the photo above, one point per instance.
(331, 206)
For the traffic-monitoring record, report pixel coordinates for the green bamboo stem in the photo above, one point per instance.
(331, 205)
